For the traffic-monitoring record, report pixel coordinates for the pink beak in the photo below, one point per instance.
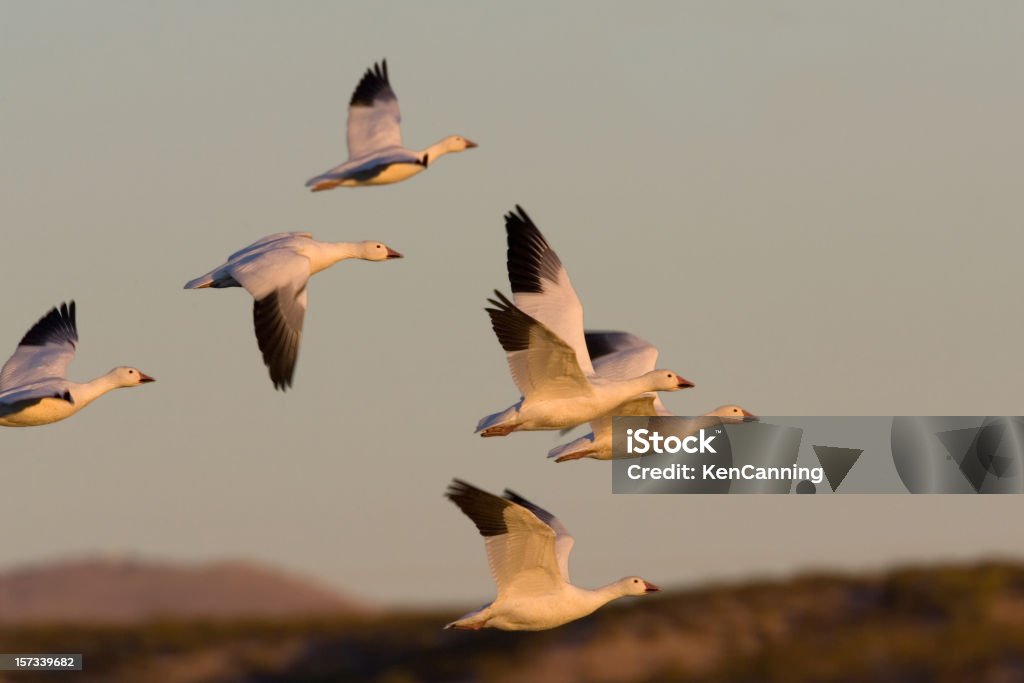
(750, 417)
(144, 378)
(393, 254)
(685, 383)
(650, 587)
(470, 144)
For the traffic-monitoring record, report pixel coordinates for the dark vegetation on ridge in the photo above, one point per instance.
(935, 625)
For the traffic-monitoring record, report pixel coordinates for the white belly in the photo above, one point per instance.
(46, 411)
(537, 613)
(561, 413)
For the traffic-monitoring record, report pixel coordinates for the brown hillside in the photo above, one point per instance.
(128, 591)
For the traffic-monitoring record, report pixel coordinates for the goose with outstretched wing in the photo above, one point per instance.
(541, 331)
(275, 270)
(528, 552)
(34, 385)
(376, 155)
(619, 355)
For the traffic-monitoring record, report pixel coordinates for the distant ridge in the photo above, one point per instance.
(131, 590)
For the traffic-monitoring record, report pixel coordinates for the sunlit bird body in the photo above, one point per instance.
(34, 388)
(275, 270)
(617, 355)
(542, 335)
(528, 552)
(376, 155)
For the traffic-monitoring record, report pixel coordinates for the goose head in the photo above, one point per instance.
(634, 585)
(376, 251)
(666, 380)
(731, 413)
(129, 377)
(457, 143)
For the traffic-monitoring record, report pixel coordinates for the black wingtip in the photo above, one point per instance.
(511, 325)
(529, 258)
(518, 215)
(483, 508)
(58, 326)
(500, 302)
(602, 342)
(279, 346)
(457, 486)
(374, 83)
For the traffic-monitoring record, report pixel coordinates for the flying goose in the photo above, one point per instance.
(618, 355)
(34, 388)
(528, 551)
(542, 335)
(375, 152)
(275, 270)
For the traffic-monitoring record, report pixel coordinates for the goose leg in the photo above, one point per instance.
(499, 430)
(574, 456)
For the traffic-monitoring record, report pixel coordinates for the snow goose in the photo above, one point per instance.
(542, 335)
(275, 270)
(528, 551)
(375, 152)
(34, 389)
(618, 355)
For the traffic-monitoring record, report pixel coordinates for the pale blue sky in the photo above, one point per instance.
(813, 208)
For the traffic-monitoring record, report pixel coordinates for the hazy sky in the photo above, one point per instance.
(811, 207)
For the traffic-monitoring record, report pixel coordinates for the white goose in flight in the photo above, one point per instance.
(275, 270)
(34, 388)
(618, 355)
(375, 152)
(528, 551)
(542, 335)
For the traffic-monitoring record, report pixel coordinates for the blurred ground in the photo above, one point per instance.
(951, 624)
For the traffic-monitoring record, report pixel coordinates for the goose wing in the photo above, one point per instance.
(541, 287)
(542, 364)
(43, 355)
(520, 546)
(268, 242)
(622, 356)
(604, 342)
(373, 116)
(277, 280)
(563, 539)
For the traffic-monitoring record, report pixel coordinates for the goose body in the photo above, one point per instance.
(542, 335)
(34, 388)
(528, 552)
(275, 270)
(376, 155)
(621, 354)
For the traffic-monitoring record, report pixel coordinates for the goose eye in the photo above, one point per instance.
(131, 372)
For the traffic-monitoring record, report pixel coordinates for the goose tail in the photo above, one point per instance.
(503, 417)
(215, 278)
